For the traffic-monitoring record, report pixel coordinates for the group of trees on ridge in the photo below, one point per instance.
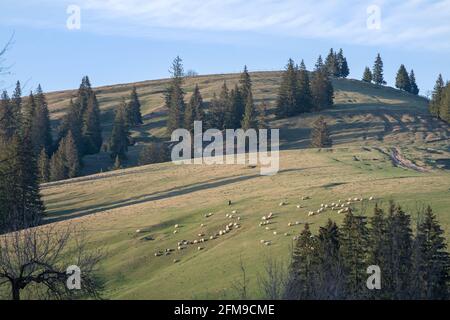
(440, 100)
(403, 81)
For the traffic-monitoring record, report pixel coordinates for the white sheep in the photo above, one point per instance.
(175, 231)
(199, 248)
(310, 214)
(239, 218)
(202, 225)
(234, 211)
(286, 234)
(281, 204)
(371, 198)
(267, 243)
(297, 223)
(177, 226)
(262, 241)
(267, 228)
(138, 231)
(176, 260)
(289, 224)
(200, 234)
(299, 206)
(264, 218)
(275, 233)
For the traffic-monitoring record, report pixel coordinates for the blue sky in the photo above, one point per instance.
(133, 40)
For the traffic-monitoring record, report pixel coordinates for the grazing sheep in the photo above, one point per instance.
(262, 241)
(286, 234)
(175, 231)
(195, 241)
(267, 243)
(270, 215)
(234, 211)
(355, 199)
(299, 206)
(176, 260)
(227, 215)
(264, 218)
(349, 203)
(267, 228)
(289, 224)
(230, 216)
(200, 234)
(239, 218)
(211, 238)
(138, 231)
(371, 198)
(310, 214)
(237, 226)
(295, 238)
(177, 226)
(297, 223)
(281, 204)
(202, 225)
(322, 205)
(326, 206)
(275, 233)
(199, 248)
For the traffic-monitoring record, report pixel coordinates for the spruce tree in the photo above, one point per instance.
(8, 123)
(216, 113)
(119, 141)
(238, 106)
(17, 101)
(225, 106)
(91, 131)
(330, 278)
(304, 90)
(431, 260)
(72, 122)
(245, 84)
(331, 64)
(28, 207)
(377, 73)
(444, 107)
(354, 248)
(58, 169)
(436, 97)
(343, 68)
(412, 80)
(249, 120)
(367, 76)
(398, 260)
(319, 64)
(174, 97)
(322, 91)
(41, 129)
(71, 156)
(320, 135)
(300, 284)
(28, 112)
(135, 107)
(287, 103)
(43, 167)
(402, 80)
(194, 110)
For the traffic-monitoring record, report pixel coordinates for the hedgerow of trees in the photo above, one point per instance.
(333, 263)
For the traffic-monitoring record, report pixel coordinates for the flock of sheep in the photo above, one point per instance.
(340, 206)
(202, 238)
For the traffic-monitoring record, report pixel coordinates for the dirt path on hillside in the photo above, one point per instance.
(401, 161)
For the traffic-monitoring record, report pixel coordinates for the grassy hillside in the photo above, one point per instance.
(363, 114)
(366, 122)
(154, 198)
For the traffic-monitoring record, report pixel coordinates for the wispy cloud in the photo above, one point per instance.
(413, 23)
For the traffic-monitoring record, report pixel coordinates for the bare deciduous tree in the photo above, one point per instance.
(37, 258)
(273, 282)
